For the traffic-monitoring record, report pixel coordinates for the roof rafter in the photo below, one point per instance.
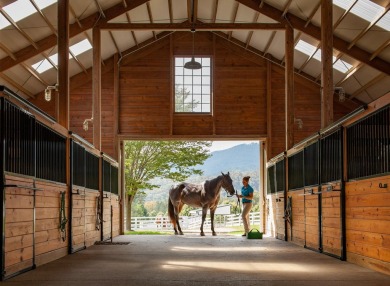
(349, 74)
(286, 7)
(7, 51)
(309, 59)
(375, 80)
(269, 42)
(311, 16)
(380, 49)
(315, 32)
(215, 11)
(234, 17)
(74, 29)
(34, 74)
(15, 84)
(150, 17)
(132, 32)
(170, 11)
(248, 39)
(339, 20)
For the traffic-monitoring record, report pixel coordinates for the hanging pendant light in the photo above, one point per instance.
(192, 64)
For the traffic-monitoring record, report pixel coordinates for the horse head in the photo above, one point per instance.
(227, 183)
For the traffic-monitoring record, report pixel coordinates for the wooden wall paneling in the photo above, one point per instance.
(78, 218)
(312, 225)
(297, 234)
(331, 222)
(116, 215)
(367, 221)
(279, 214)
(92, 234)
(106, 215)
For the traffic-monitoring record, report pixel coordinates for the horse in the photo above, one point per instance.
(205, 195)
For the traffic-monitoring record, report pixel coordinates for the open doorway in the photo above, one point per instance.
(147, 190)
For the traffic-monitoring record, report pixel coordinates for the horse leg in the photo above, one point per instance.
(204, 213)
(177, 211)
(212, 211)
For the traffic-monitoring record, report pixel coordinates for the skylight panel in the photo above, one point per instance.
(305, 48)
(80, 47)
(366, 10)
(3, 22)
(342, 66)
(44, 3)
(42, 66)
(19, 10)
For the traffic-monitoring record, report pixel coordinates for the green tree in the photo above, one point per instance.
(182, 103)
(145, 160)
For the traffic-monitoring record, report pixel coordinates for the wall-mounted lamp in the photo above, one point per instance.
(299, 122)
(85, 123)
(341, 92)
(48, 91)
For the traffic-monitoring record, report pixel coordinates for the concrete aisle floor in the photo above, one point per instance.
(195, 260)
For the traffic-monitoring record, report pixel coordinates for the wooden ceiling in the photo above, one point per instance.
(357, 42)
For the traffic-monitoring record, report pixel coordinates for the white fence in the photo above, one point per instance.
(190, 222)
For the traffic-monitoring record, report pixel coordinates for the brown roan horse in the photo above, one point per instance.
(205, 196)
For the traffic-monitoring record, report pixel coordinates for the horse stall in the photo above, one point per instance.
(338, 188)
(50, 204)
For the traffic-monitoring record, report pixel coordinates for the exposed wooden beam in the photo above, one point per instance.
(344, 15)
(261, 4)
(86, 24)
(99, 8)
(195, 11)
(248, 39)
(380, 49)
(327, 88)
(289, 87)
(7, 51)
(63, 63)
(15, 84)
(132, 32)
(310, 18)
(269, 42)
(375, 80)
(185, 26)
(96, 88)
(78, 61)
(349, 74)
(150, 17)
(369, 26)
(215, 11)
(116, 106)
(49, 60)
(315, 32)
(286, 7)
(16, 26)
(234, 17)
(170, 11)
(34, 74)
(297, 37)
(269, 108)
(189, 10)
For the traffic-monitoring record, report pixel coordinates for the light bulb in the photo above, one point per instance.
(47, 94)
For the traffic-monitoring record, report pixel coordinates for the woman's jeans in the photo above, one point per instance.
(245, 216)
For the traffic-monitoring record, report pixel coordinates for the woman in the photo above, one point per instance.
(247, 196)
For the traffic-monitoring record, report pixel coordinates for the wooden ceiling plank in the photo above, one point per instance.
(115, 44)
(86, 24)
(309, 59)
(344, 15)
(215, 11)
(234, 17)
(248, 39)
(349, 74)
(369, 26)
(286, 7)
(269, 42)
(380, 49)
(375, 80)
(151, 18)
(53, 30)
(310, 18)
(15, 84)
(78, 61)
(315, 32)
(7, 51)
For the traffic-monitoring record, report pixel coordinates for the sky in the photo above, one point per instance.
(222, 145)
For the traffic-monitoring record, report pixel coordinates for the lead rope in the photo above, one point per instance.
(63, 219)
(98, 213)
(238, 205)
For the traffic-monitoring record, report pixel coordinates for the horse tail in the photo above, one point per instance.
(171, 212)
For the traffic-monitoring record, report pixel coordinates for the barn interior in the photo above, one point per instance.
(309, 79)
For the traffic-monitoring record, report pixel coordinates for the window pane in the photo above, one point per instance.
(179, 80)
(179, 108)
(197, 80)
(197, 72)
(188, 89)
(206, 80)
(188, 80)
(197, 89)
(205, 89)
(187, 72)
(198, 108)
(206, 71)
(206, 62)
(178, 61)
(179, 71)
(197, 98)
(206, 98)
(206, 108)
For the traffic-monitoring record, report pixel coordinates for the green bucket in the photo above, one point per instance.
(254, 234)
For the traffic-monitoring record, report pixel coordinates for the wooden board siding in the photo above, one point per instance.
(312, 221)
(19, 223)
(106, 216)
(297, 235)
(91, 233)
(275, 213)
(331, 222)
(116, 215)
(367, 223)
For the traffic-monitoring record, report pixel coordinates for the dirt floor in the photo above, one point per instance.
(194, 260)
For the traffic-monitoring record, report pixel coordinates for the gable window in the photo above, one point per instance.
(193, 87)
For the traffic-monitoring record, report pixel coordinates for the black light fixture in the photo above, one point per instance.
(192, 64)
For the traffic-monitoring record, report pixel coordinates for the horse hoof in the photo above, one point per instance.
(176, 233)
(181, 233)
(202, 234)
(214, 234)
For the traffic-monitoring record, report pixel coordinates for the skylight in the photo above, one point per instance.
(21, 9)
(366, 10)
(310, 50)
(76, 49)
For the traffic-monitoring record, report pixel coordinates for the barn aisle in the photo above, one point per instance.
(195, 260)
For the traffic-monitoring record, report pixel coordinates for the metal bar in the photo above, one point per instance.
(320, 221)
(343, 215)
(81, 140)
(71, 165)
(2, 183)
